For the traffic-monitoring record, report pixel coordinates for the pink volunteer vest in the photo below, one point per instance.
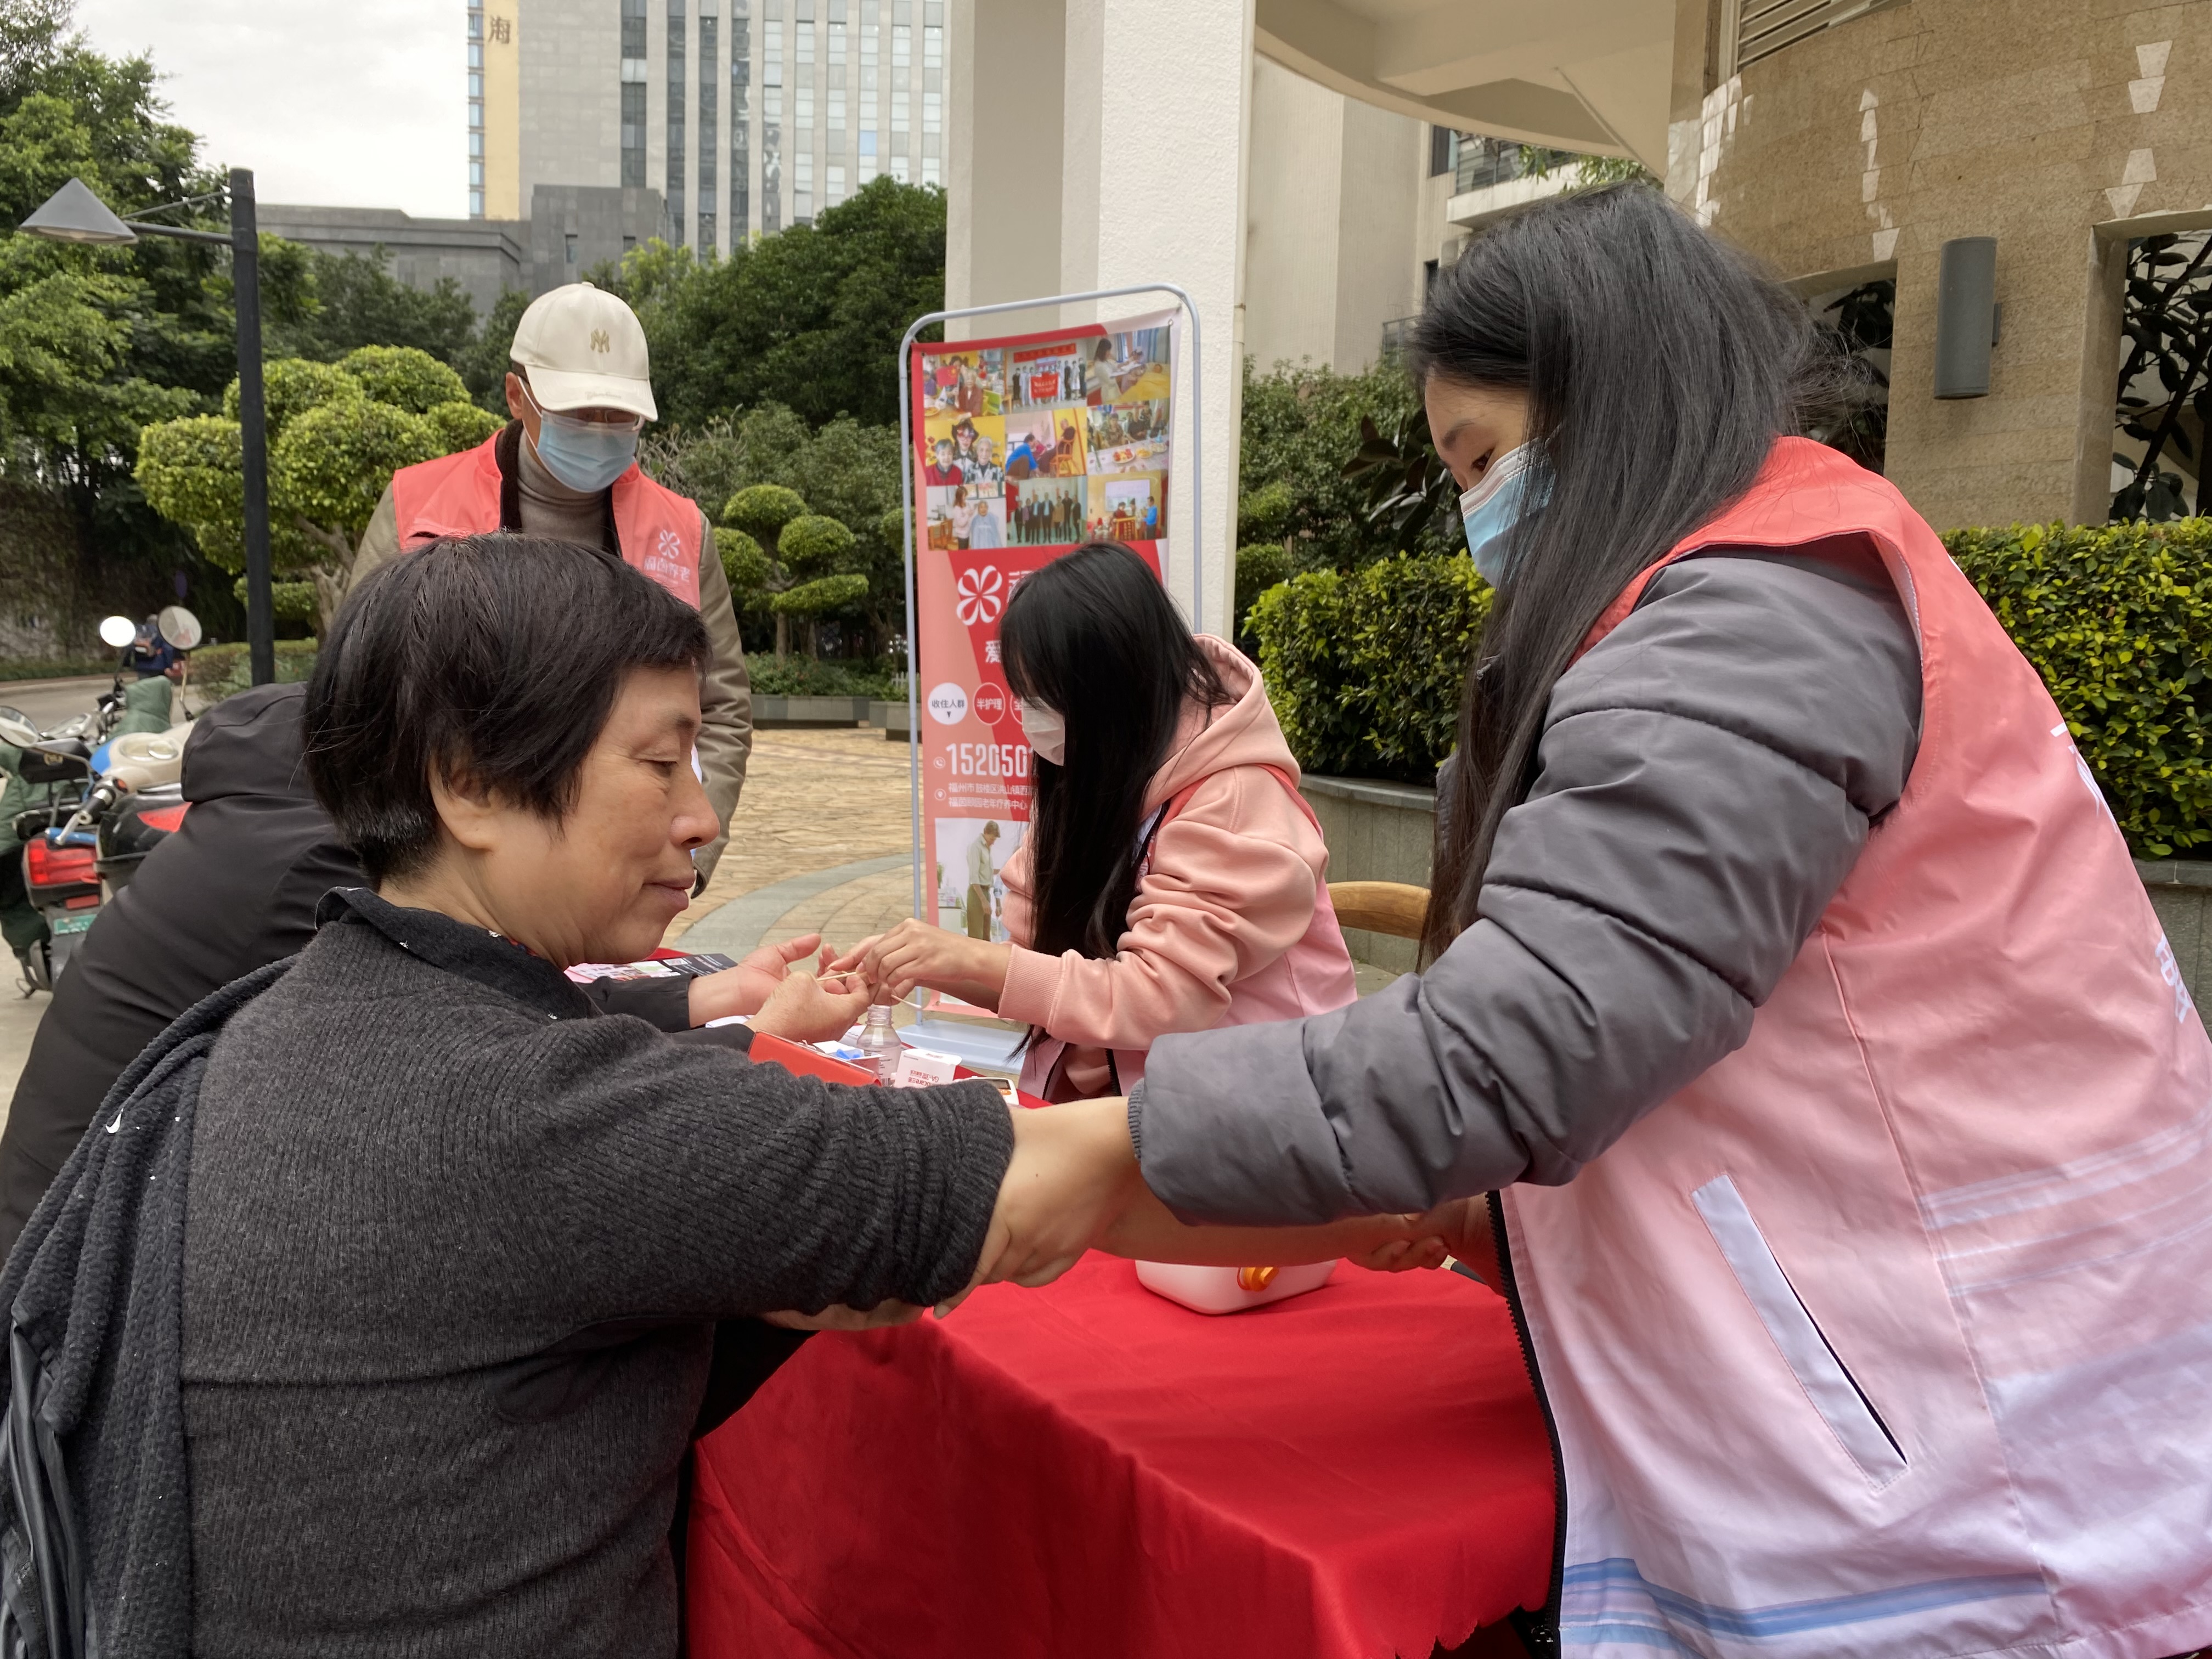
(1892, 1335)
(458, 495)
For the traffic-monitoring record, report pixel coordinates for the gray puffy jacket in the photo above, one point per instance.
(1707, 774)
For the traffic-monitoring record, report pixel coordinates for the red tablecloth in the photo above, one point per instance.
(1089, 1470)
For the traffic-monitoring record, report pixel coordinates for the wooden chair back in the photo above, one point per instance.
(1380, 907)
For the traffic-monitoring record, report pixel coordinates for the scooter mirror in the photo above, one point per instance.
(118, 631)
(16, 729)
(179, 627)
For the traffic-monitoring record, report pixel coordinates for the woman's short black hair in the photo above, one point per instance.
(493, 656)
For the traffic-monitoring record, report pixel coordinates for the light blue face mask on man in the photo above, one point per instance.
(586, 455)
(1493, 504)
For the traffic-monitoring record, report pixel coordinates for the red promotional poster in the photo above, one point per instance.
(1023, 448)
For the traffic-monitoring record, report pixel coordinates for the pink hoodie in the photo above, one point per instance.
(1231, 924)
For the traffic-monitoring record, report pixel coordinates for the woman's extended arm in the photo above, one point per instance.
(1709, 772)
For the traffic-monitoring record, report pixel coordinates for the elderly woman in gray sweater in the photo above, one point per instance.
(455, 1244)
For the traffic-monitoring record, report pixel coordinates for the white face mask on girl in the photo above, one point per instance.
(1045, 731)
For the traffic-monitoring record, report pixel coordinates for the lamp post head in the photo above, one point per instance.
(74, 214)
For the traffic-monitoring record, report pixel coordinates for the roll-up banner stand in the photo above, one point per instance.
(1014, 451)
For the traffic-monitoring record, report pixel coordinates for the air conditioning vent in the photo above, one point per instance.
(1752, 29)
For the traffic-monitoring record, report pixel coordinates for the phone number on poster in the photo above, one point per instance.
(990, 760)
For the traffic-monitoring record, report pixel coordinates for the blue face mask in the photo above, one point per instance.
(1493, 504)
(586, 455)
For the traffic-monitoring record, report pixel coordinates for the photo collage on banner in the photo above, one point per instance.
(1023, 448)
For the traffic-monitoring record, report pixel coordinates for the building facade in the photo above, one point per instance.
(741, 116)
(1846, 146)
(486, 256)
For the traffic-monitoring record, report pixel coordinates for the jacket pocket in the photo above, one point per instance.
(1833, 1390)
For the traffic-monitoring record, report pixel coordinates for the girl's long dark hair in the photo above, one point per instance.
(1094, 637)
(1661, 366)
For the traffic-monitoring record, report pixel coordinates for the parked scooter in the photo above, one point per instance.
(108, 801)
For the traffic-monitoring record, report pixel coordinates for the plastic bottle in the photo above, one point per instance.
(880, 1043)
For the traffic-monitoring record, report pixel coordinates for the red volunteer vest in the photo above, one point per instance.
(659, 530)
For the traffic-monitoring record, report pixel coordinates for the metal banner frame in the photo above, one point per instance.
(906, 502)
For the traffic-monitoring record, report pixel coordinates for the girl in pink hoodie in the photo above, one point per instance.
(1173, 878)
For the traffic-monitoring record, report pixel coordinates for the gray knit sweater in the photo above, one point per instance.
(453, 1250)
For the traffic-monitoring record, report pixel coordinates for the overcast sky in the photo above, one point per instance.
(341, 105)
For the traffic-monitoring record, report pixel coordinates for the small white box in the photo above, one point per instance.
(1229, 1290)
(921, 1068)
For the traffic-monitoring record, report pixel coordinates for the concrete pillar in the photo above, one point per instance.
(1002, 174)
(1153, 118)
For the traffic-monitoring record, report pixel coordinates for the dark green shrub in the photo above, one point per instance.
(1259, 568)
(1364, 666)
(220, 670)
(2118, 619)
(809, 677)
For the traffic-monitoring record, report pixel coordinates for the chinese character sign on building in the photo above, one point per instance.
(1023, 448)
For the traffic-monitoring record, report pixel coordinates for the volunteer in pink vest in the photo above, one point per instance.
(1173, 878)
(1793, 989)
(580, 387)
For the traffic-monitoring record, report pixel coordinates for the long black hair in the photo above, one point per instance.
(1093, 637)
(1661, 366)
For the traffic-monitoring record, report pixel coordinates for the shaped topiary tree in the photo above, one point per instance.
(819, 551)
(753, 557)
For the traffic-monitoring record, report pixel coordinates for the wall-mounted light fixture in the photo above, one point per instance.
(1967, 316)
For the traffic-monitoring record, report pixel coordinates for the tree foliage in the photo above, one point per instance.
(95, 342)
(1301, 429)
(845, 471)
(336, 434)
(353, 300)
(809, 318)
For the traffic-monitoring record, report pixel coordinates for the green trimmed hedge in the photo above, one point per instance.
(1363, 667)
(220, 670)
(2118, 619)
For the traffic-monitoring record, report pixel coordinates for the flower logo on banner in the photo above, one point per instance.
(982, 596)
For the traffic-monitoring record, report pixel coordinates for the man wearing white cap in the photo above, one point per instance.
(581, 391)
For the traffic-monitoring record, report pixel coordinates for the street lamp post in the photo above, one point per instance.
(74, 214)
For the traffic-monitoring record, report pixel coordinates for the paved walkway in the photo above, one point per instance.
(822, 842)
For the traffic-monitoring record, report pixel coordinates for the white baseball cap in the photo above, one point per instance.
(585, 349)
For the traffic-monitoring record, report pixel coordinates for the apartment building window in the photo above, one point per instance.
(710, 86)
(902, 82)
(802, 189)
(632, 72)
(1444, 147)
(836, 183)
(741, 69)
(568, 248)
(676, 134)
(929, 174)
(476, 25)
(633, 133)
(772, 116)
